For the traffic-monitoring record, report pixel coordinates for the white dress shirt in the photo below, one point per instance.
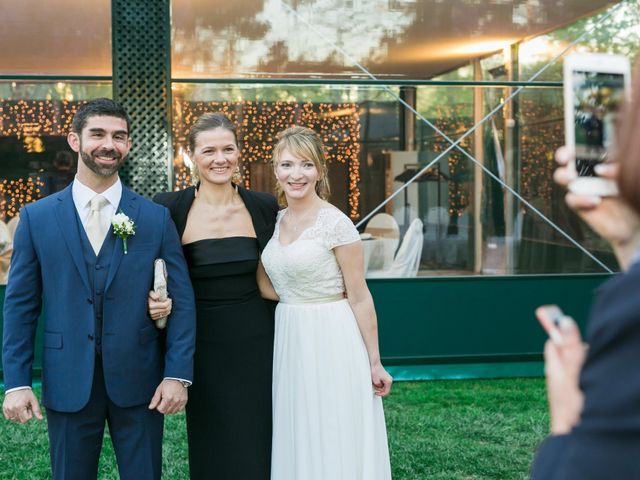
(82, 196)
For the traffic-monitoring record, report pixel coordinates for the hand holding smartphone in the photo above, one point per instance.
(595, 87)
(550, 317)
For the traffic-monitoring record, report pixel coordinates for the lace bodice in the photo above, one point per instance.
(306, 270)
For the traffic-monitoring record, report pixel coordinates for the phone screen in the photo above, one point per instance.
(597, 99)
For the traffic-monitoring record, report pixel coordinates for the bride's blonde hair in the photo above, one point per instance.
(306, 144)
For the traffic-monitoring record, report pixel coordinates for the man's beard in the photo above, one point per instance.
(90, 162)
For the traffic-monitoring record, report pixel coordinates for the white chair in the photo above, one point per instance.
(404, 215)
(435, 234)
(455, 247)
(407, 261)
(384, 227)
(437, 223)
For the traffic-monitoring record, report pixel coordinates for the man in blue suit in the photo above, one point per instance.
(103, 358)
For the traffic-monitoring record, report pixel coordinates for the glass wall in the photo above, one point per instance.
(35, 159)
(469, 223)
(487, 205)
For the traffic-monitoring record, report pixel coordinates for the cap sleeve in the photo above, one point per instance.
(342, 233)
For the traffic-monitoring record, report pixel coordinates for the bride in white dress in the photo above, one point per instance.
(328, 422)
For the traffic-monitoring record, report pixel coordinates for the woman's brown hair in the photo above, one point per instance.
(210, 121)
(627, 148)
(303, 143)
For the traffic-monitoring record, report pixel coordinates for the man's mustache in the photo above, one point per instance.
(107, 153)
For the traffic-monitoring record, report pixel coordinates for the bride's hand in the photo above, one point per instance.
(158, 309)
(381, 380)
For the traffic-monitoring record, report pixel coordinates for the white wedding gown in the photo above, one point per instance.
(327, 422)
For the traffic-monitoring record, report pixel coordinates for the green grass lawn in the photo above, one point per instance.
(441, 430)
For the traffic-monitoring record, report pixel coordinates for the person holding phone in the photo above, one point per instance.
(594, 392)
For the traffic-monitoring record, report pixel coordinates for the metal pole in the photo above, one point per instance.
(478, 153)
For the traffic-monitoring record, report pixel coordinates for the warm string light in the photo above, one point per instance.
(16, 193)
(539, 119)
(338, 124)
(26, 118)
(452, 119)
(29, 121)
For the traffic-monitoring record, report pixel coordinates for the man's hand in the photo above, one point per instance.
(170, 397)
(21, 405)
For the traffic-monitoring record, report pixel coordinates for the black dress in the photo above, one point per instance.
(229, 409)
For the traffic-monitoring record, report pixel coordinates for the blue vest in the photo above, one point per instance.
(97, 270)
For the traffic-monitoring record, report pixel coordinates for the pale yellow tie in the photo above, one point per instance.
(96, 227)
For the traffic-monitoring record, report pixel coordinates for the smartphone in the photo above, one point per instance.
(550, 317)
(595, 87)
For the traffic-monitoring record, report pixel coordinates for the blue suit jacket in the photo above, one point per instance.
(606, 442)
(48, 271)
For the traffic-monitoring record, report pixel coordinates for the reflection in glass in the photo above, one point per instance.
(619, 33)
(65, 37)
(414, 39)
(542, 117)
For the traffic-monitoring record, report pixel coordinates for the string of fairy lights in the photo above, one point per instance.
(28, 121)
(451, 118)
(338, 124)
(16, 193)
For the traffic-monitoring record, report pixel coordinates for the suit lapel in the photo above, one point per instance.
(131, 208)
(67, 217)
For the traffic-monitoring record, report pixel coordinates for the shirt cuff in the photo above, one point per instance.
(181, 380)
(15, 389)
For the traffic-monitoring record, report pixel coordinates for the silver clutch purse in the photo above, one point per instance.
(160, 286)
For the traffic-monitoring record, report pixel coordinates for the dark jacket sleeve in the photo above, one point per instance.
(178, 204)
(166, 199)
(263, 208)
(549, 458)
(180, 331)
(22, 305)
(606, 441)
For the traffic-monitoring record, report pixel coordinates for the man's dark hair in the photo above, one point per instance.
(98, 107)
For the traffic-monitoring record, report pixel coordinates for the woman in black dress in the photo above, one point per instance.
(224, 228)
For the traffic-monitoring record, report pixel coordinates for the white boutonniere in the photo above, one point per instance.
(123, 227)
